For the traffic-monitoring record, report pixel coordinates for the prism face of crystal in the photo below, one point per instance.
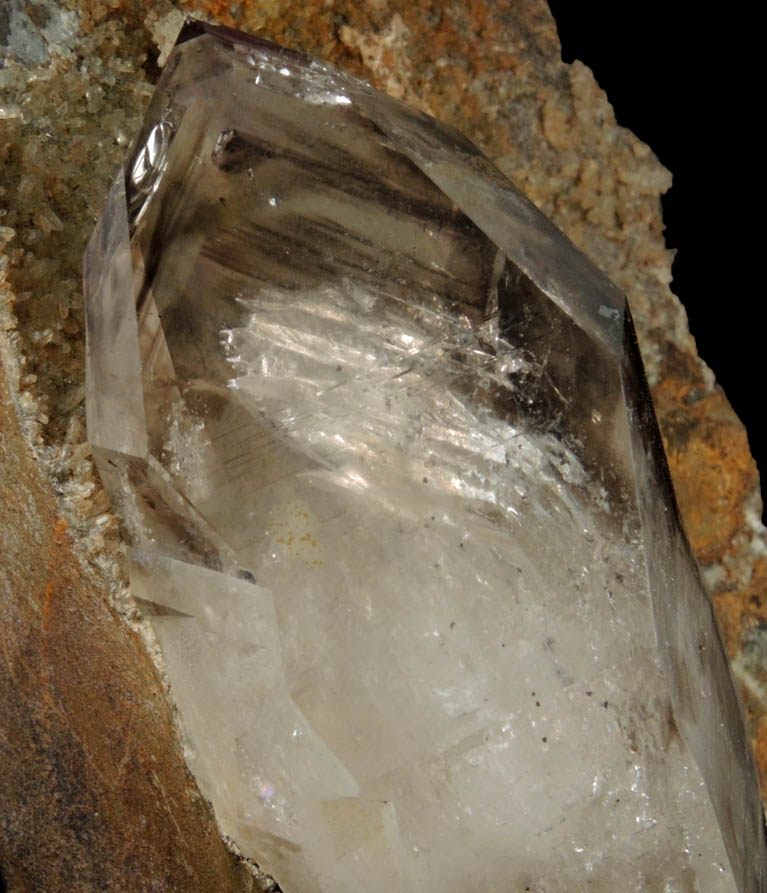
(383, 451)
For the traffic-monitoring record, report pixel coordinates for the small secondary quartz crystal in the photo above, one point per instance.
(398, 511)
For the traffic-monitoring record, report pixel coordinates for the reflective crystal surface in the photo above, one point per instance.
(385, 457)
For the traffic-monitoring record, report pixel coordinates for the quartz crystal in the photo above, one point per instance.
(397, 508)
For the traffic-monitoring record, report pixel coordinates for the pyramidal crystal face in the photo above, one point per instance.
(385, 457)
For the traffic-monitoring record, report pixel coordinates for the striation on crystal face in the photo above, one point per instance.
(399, 515)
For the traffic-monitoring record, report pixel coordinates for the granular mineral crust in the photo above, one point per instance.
(397, 505)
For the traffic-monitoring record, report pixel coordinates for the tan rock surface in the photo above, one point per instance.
(82, 712)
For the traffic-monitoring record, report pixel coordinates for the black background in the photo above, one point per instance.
(681, 78)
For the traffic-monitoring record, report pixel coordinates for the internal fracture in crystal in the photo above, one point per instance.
(384, 454)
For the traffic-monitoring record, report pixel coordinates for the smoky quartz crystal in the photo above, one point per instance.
(397, 507)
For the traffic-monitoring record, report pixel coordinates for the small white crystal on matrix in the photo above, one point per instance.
(398, 512)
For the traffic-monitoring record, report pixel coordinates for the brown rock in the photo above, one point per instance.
(95, 792)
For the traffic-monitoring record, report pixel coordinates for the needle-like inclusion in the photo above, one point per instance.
(383, 450)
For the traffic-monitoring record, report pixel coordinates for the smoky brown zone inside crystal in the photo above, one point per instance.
(292, 204)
